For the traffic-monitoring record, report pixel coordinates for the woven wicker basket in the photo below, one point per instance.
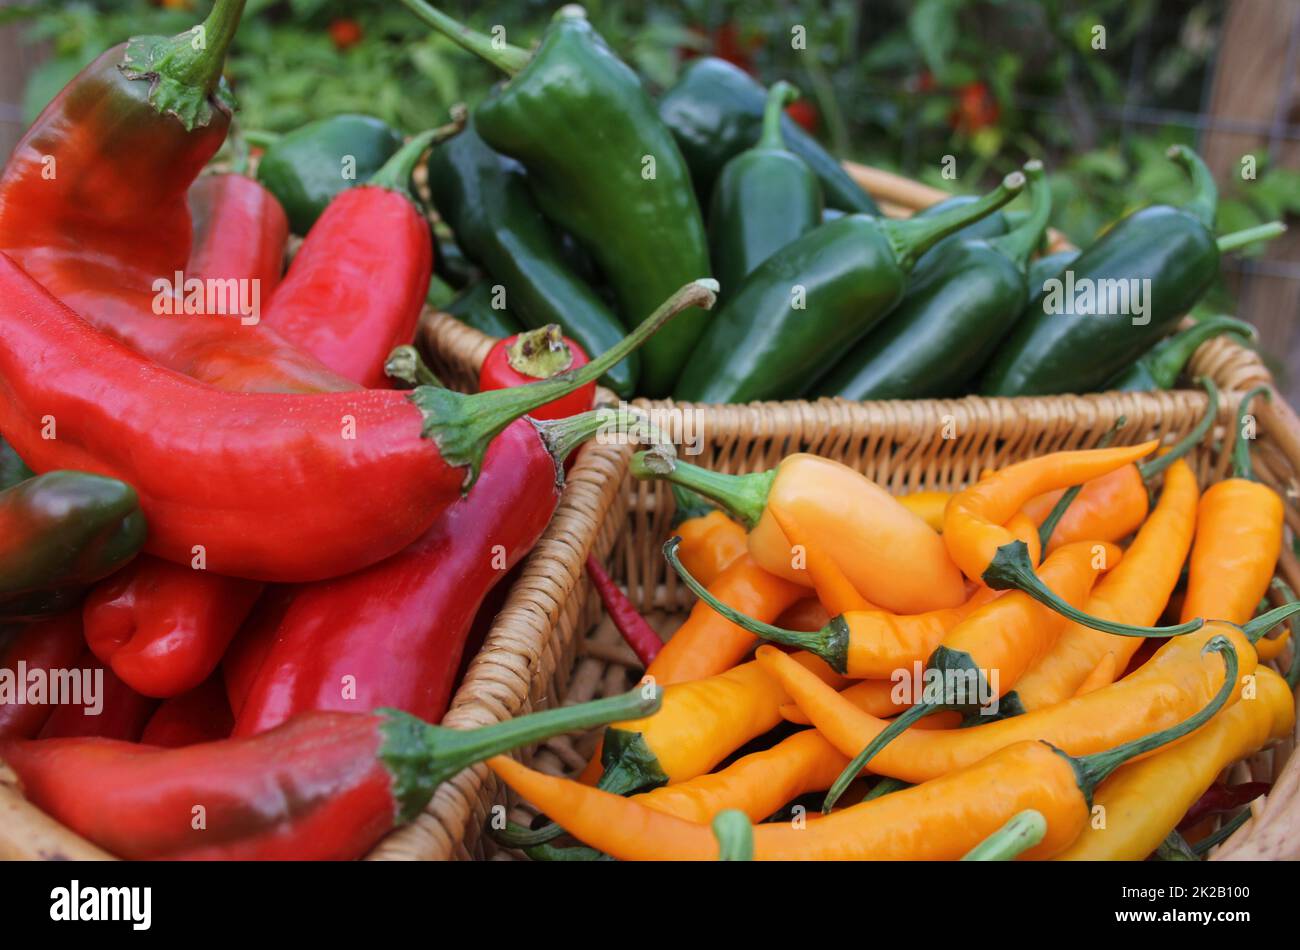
(551, 643)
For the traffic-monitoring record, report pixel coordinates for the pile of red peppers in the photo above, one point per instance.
(317, 539)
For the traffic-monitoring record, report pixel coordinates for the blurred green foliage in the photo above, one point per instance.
(896, 83)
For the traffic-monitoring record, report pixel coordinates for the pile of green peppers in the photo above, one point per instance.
(572, 197)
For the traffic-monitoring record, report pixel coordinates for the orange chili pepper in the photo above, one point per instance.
(987, 551)
(940, 820)
(878, 698)
(1238, 538)
(808, 614)
(710, 540)
(1135, 591)
(1108, 508)
(860, 526)
(1174, 681)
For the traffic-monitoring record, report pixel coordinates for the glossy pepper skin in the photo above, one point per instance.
(419, 604)
(308, 168)
(765, 197)
(602, 166)
(239, 229)
(60, 532)
(369, 256)
(534, 355)
(485, 198)
(994, 225)
(965, 297)
(799, 310)
(1161, 366)
(254, 516)
(715, 112)
(48, 645)
(324, 786)
(1061, 351)
(1146, 800)
(473, 307)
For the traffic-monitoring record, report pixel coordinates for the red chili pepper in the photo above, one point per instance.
(392, 635)
(26, 662)
(533, 355)
(324, 786)
(640, 636)
(201, 715)
(251, 646)
(163, 627)
(268, 486)
(1219, 799)
(345, 33)
(357, 285)
(110, 709)
(240, 231)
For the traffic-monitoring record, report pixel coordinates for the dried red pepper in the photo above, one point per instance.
(639, 635)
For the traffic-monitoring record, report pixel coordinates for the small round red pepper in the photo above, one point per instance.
(533, 355)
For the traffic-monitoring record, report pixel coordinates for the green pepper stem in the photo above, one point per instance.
(395, 174)
(886, 786)
(540, 353)
(421, 757)
(912, 237)
(1205, 193)
(1255, 629)
(1241, 464)
(830, 642)
(779, 96)
(202, 68)
(1247, 236)
(743, 497)
(509, 59)
(1149, 470)
(462, 425)
(550, 853)
(688, 505)
(1017, 836)
(1024, 240)
(1011, 569)
(1167, 360)
(897, 726)
(1222, 833)
(521, 839)
(1175, 848)
(406, 365)
(735, 835)
(1063, 503)
(562, 436)
(1094, 769)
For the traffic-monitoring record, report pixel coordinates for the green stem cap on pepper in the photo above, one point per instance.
(780, 95)
(1165, 362)
(735, 835)
(1018, 835)
(1205, 193)
(509, 59)
(743, 497)
(912, 237)
(1020, 244)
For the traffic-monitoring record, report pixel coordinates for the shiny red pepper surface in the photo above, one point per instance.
(30, 656)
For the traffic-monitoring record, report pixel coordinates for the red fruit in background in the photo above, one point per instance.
(725, 42)
(345, 32)
(976, 108)
(805, 113)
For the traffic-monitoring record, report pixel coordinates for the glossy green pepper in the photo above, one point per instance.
(995, 225)
(766, 197)
(12, 469)
(1161, 366)
(601, 165)
(484, 197)
(1160, 259)
(960, 305)
(715, 112)
(308, 167)
(803, 308)
(60, 532)
(473, 307)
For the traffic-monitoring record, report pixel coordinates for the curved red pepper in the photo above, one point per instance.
(163, 627)
(533, 355)
(117, 712)
(240, 231)
(269, 486)
(323, 786)
(44, 646)
(201, 715)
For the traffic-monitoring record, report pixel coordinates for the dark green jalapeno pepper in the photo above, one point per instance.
(964, 299)
(801, 309)
(765, 198)
(602, 165)
(308, 167)
(473, 307)
(484, 197)
(1116, 299)
(1161, 366)
(60, 532)
(715, 111)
